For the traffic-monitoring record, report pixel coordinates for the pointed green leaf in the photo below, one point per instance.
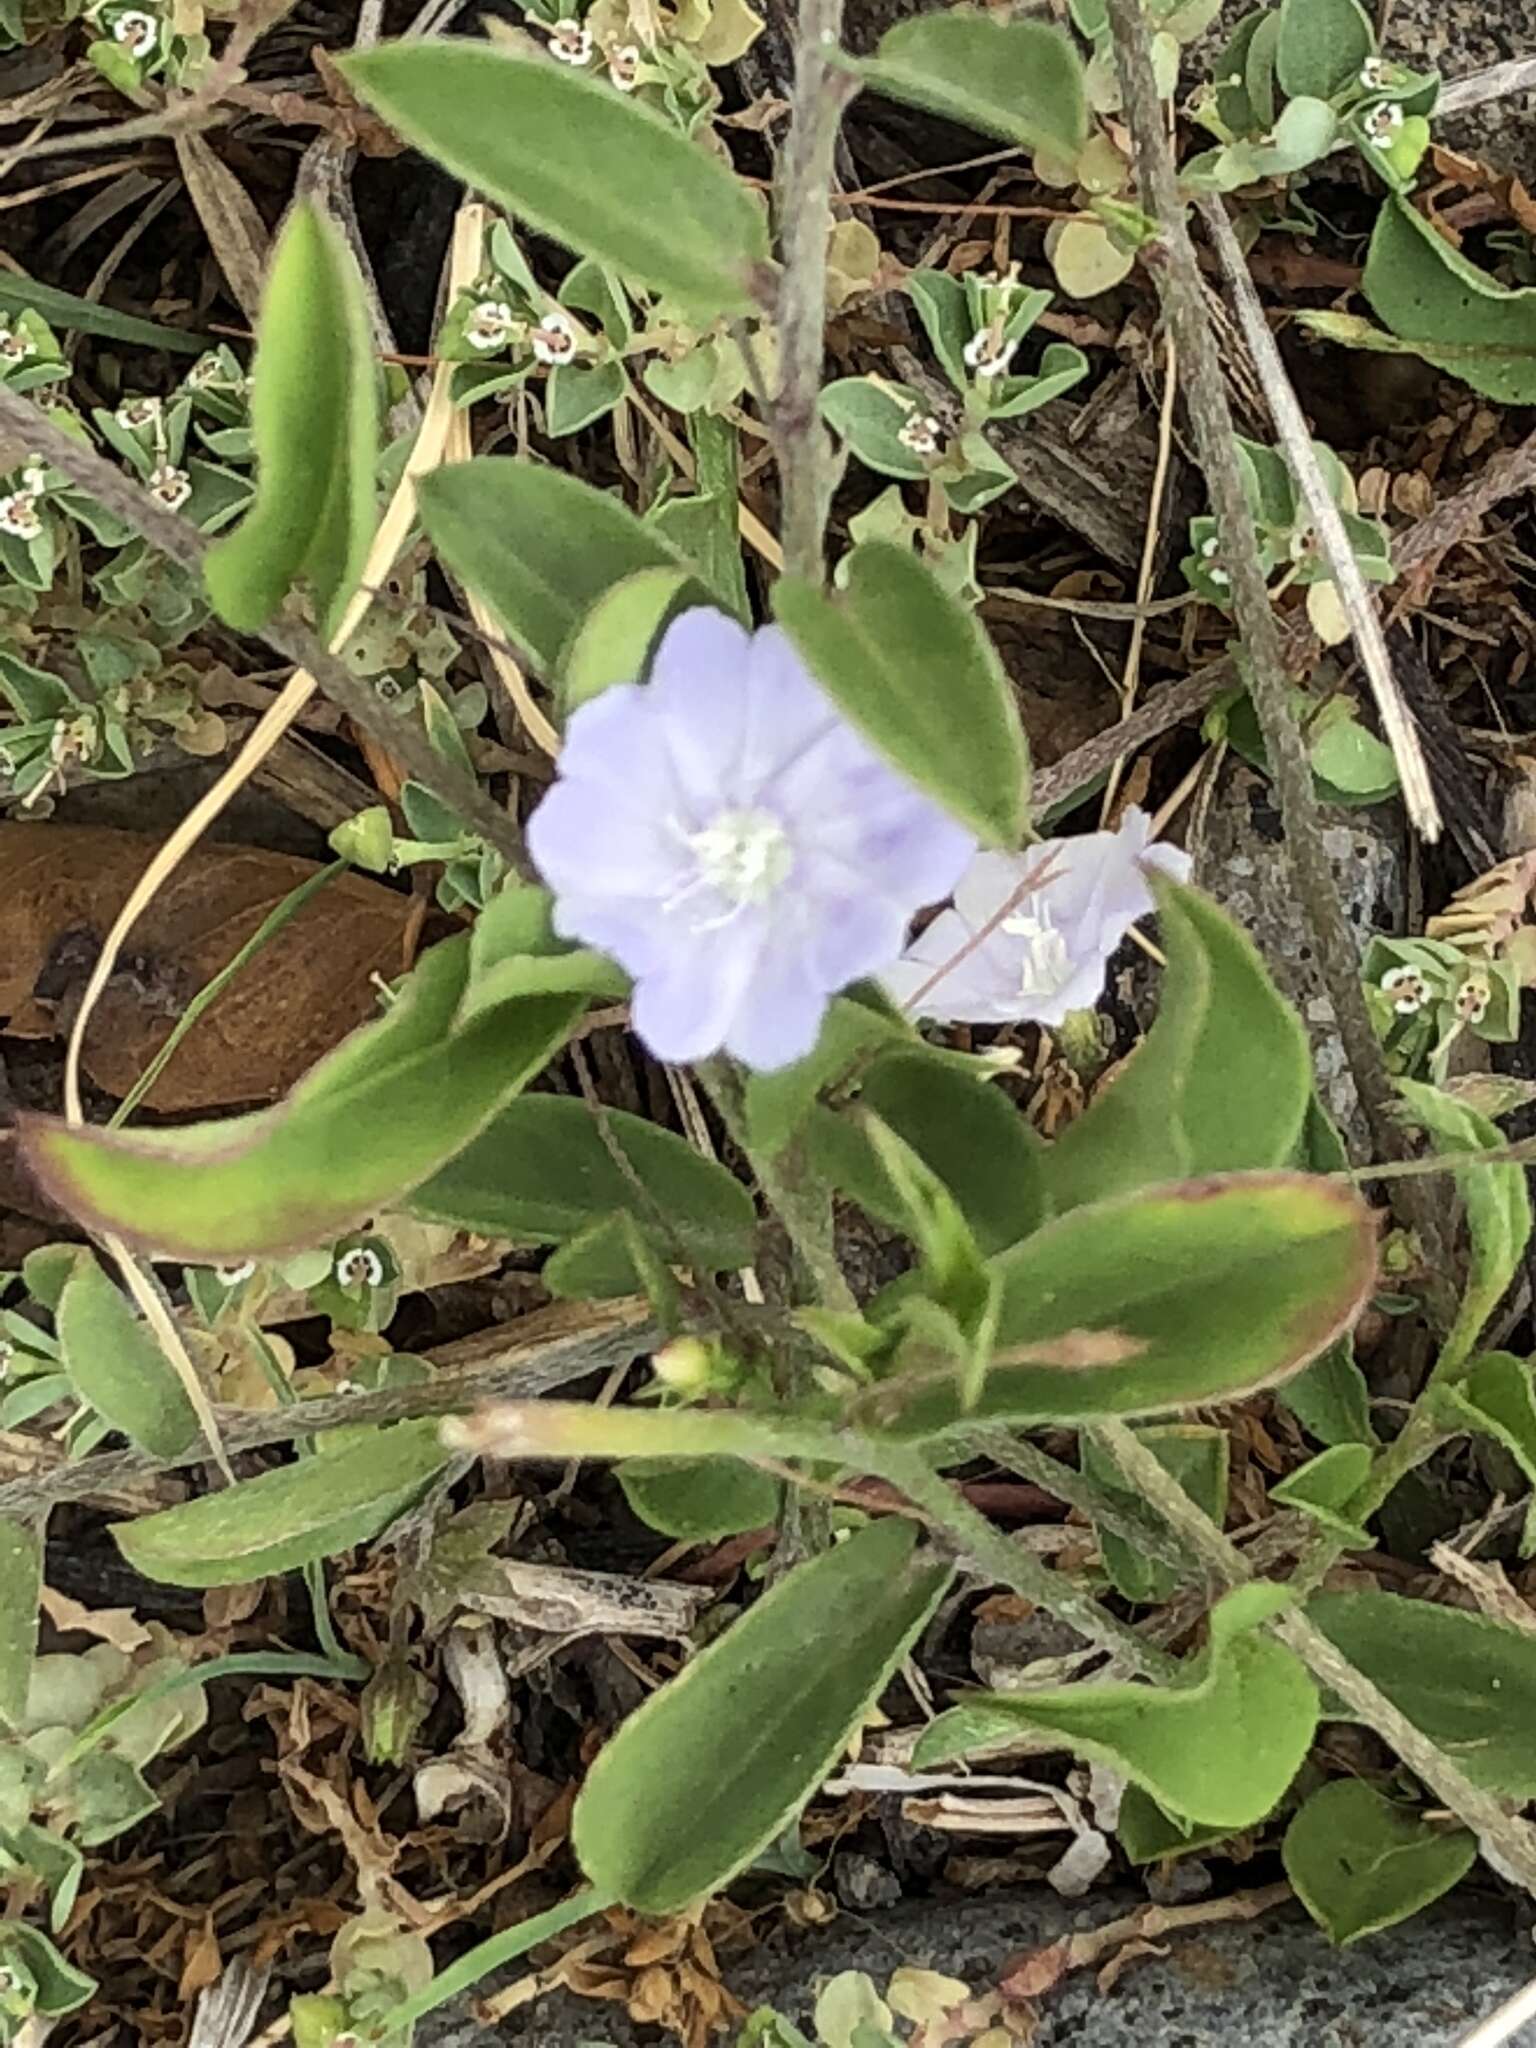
(1323, 45)
(777, 1104)
(1196, 1455)
(1498, 1400)
(613, 643)
(712, 1768)
(1359, 1862)
(1497, 1199)
(115, 1364)
(539, 546)
(1220, 1084)
(1323, 1489)
(1455, 315)
(915, 672)
(1149, 1835)
(1207, 1289)
(608, 178)
(1220, 1750)
(1465, 1681)
(699, 1500)
(314, 415)
(542, 1171)
(313, 1508)
(19, 294)
(374, 1118)
(28, 1956)
(869, 414)
(21, 1579)
(1017, 79)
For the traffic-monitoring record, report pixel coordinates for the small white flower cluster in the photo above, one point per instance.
(1473, 998)
(490, 325)
(570, 42)
(134, 414)
(987, 353)
(138, 33)
(169, 486)
(19, 514)
(554, 340)
(16, 345)
(920, 434)
(1213, 569)
(1382, 123)
(624, 66)
(1407, 988)
(1375, 75)
(360, 1267)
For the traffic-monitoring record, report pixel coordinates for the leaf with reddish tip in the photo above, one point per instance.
(376, 1118)
(1226, 1284)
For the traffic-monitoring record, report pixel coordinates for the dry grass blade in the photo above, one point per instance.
(236, 232)
(1364, 621)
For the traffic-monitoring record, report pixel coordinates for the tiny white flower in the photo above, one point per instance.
(359, 1267)
(624, 66)
(16, 345)
(554, 339)
(1382, 123)
(1208, 547)
(1473, 998)
(1408, 989)
(1303, 544)
(490, 324)
(138, 33)
(135, 413)
(1218, 576)
(19, 515)
(169, 486)
(988, 354)
(570, 42)
(1375, 74)
(231, 1276)
(34, 478)
(920, 434)
(204, 371)
(7, 1353)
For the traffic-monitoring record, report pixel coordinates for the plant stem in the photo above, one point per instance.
(805, 184)
(489, 1955)
(1176, 270)
(1507, 1843)
(1116, 1515)
(181, 543)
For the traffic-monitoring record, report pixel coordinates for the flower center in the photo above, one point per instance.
(1046, 965)
(743, 855)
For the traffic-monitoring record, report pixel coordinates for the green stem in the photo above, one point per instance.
(1065, 1484)
(490, 1955)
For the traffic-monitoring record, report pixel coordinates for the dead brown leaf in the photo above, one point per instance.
(115, 1625)
(62, 885)
(237, 234)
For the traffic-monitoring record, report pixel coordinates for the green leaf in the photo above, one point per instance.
(776, 1104)
(1220, 1084)
(1465, 1681)
(116, 1365)
(1329, 1397)
(314, 416)
(1455, 315)
(1496, 1399)
(915, 672)
(579, 393)
(1497, 1200)
(1323, 45)
(85, 316)
(21, 1580)
(699, 1500)
(1220, 1750)
(28, 1956)
(1019, 80)
(710, 1769)
(964, 1129)
(539, 546)
(515, 952)
(541, 1172)
(1149, 1835)
(1324, 1487)
(605, 176)
(380, 1114)
(869, 414)
(1359, 1862)
(613, 643)
(1196, 1455)
(313, 1508)
(1197, 1292)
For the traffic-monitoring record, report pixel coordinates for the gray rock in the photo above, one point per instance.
(1268, 1983)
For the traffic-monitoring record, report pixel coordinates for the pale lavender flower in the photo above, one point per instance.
(1031, 933)
(725, 835)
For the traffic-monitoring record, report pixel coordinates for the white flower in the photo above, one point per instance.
(554, 339)
(169, 486)
(359, 1267)
(1375, 74)
(19, 515)
(138, 33)
(34, 478)
(570, 42)
(16, 345)
(987, 353)
(1382, 123)
(1031, 933)
(490, 324)
(1408, 989)
(1213, 569)
(231, 1276)
(624, 66)
(920, 434)
(205, 371)
(1473, 998)
(135, 413)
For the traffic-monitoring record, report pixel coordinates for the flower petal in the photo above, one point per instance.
(587, 839)
(684, 1008)
(779, 1017)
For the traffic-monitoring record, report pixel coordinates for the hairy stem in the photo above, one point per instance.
(1508, 1844)
(805, 184)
